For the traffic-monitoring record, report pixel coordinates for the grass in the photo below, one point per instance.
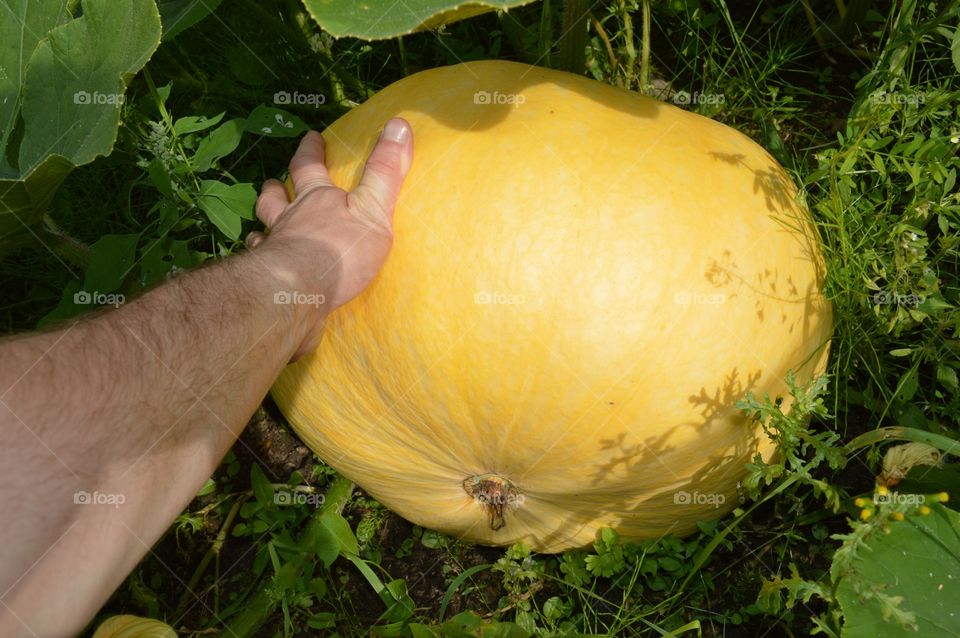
(866, 120)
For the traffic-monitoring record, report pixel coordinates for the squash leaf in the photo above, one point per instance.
(915, 574)
(61, 92)
(381, 19)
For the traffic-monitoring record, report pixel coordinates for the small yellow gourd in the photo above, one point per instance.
(128, 626)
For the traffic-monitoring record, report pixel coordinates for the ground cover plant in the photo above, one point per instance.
(861, 103)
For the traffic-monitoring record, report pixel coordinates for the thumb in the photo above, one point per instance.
(376, 194)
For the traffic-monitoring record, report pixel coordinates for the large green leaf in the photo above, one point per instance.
(22, 24)
(75, 84)
(179, 15)
(916, 564)
(60, 95)
(380, 19)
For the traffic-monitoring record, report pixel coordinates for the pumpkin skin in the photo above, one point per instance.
(128, 626)
(583, 282)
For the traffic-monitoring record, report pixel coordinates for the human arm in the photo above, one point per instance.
(139, 404)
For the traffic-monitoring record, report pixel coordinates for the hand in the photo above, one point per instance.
(335, 242)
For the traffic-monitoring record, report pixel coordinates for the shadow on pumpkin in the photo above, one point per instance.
(771, 179)
(635, 513)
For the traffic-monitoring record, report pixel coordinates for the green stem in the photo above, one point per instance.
(943, 443)
(210, 554)
(645, 48)
(259, 609)
(628, 46)
(545, 35)
(73, 250)
(573, 38)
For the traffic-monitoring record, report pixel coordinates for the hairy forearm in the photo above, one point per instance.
(129, 410)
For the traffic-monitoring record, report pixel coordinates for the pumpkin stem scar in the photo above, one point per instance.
(492, 492)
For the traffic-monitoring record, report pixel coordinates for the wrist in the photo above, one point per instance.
(297, 277)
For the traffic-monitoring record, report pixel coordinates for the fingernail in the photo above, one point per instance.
(396, 130)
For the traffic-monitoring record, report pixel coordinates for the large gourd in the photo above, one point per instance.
(583, 282)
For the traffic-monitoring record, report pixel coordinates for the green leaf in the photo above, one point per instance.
(924, 479)
(208, 488)
(63, 80)
(75, 84)
(380, 19)
(934, 304)
(111, 259)
(159, 177)
(66, 308)
(194, 123)
(556, 608)
(669, 563)
(915, 570)
(164, 255)
(773, 142)
(179, 15)
(221, 142)
(339, 529)
(947, 376)
(322, 620)
(262, 487)
(955, 49)
(274, 122)
(909, 384)
(225, 206)
(22, 27)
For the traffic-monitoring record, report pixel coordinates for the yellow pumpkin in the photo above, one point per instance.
(128, 626)
(583, 282)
